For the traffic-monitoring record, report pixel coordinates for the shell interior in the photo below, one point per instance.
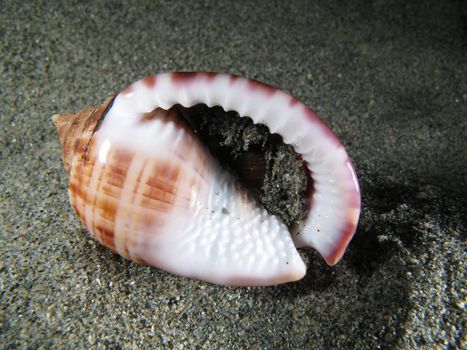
(272, 171)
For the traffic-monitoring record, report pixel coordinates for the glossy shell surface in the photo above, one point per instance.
(147, 188)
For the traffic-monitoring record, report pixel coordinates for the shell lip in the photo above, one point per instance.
(350, 224)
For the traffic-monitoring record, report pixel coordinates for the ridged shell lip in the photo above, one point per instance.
(335, 201)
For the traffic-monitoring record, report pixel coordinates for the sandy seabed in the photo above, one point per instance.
(387, 77)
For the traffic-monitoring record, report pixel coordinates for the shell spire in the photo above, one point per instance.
(72, 127)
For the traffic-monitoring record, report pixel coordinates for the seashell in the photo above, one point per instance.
(146, 187)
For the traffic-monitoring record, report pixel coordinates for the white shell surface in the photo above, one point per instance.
(213, 230)
(335, 201)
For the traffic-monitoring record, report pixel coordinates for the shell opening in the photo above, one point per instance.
(271, 170)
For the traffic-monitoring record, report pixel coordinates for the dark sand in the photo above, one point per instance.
(388, 78)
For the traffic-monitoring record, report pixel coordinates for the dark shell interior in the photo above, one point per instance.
(271, 170)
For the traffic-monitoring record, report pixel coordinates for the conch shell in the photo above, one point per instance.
(146, 187)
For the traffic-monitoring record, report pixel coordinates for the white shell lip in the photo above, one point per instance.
(335, 200)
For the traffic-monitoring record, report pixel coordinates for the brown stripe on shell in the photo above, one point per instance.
(84, 173)
(145, 215)
(159, 191)
(97, 175)
(150, 81)
(104, 207)
(79, 173)
(108, 191)
(182, 78)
